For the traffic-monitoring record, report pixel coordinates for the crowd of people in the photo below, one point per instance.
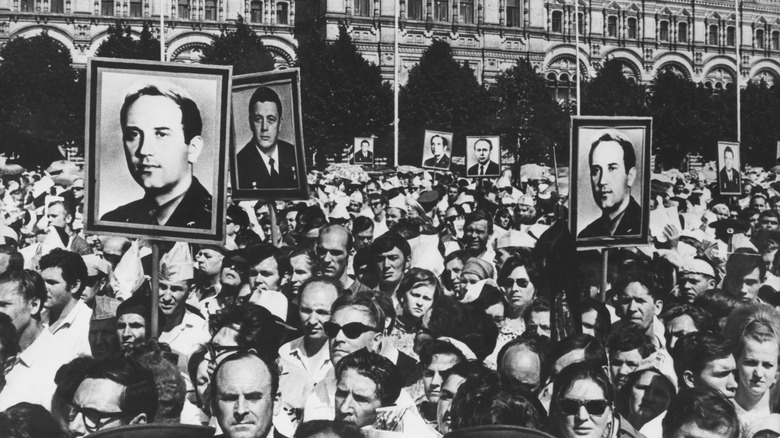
(415, 305)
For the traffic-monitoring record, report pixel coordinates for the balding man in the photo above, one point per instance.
(334, 245)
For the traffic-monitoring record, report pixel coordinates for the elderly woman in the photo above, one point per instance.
(474, 270)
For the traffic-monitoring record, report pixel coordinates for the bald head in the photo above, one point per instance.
(333, 246)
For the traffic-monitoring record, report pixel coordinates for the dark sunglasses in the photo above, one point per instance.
(93, 419)
(353, 330)
(569, 406)
(522, 282)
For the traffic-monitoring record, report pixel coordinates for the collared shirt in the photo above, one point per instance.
(32, 377)
(72, 332)
(267, 159)
(185, 337)
(165, 211)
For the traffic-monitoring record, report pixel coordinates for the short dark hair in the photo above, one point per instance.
(473, 327)
(265, 94)
(444, 141)
(362, 223)
(379, 369)
(388, 241)
(728, 150)
(644, 277)
(366, 301)
(9, 341)
(719, 303)
(258, 328)
(434, 347)
(26, 420)
(485, 140)
(338, 428)
(578, 371)
(140, 394)
(273, 370)
(479, 215)
(629, 156)
(594, 351)
(741, 264)
(30, 283)
(708, 408)
(630, 337)
(71, 264)
(520, 260)
(15, 258)
(694, 350)
(701, 319)
(482, 402)
(191, 123)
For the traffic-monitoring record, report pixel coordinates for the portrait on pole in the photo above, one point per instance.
(268, 160)
(483, 157)
(610, 168)
(729, 176)
(364, 150)
(437, 150)
(156, 155)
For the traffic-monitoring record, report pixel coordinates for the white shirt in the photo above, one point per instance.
(185, 337)
(72, 332)
(267, 159)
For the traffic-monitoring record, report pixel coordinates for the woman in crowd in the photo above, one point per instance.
(474, 270)
(517, 279)
(416, 294)
(133, 321)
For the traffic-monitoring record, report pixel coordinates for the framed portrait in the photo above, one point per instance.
(729, 176)
(437, 150)
(157, 144)
(364, 150)
(267, 159)
(610, 181)
(483, 157)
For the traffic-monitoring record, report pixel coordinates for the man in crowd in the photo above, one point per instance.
(705, 360)
(334, 245)
(61, 216)
(638, 302)
(391, 254)
(366, 382)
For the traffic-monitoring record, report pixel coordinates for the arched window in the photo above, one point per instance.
(713, 35)
(184, 9)
(467, 11)
(107, 7)
(557, 21)
(414, 9)
(581, 23)
(441, 10)
(776, 40)
(513, 13)
(663, 31)
(631, 23)
(210, 11)
(57, 6)
(731, 36)
(363, 8)
(136, 8)
(26, 6)
(281, 13)
(682, 32)
(760, 38)
(256, 12)
(612, 26)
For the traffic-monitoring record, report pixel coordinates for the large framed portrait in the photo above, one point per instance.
(268, 160)
(156, 155)
(437, 150)
(729, 176)
(483, 157)
(610, 174)
(364, 150)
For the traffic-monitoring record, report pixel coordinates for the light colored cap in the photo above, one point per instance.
(398, 202)
(698, 266)
(177, 264)
(339, 212)
(464, 198)
(128, 274)
(515, 238)
(503, 182)
(96, 265)
(356, 196)
(661, 362)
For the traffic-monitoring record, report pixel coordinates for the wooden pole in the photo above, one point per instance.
(274, 228)
(155, 289)
(604, 273)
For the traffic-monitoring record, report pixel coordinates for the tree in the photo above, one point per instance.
(41, 100)
(610, 93)
(760, 130)
(121, 44)
(530, 121)
(343, 97)
(242, 48)
(441, 95)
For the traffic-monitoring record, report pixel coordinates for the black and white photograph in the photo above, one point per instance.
(610, 172)
(268, 159)
(729, 175)
(437, 150)
(364, 150)
(483, 157)
(157, 148)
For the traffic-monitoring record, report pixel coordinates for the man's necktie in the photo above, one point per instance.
(274, 173)
(481, 169)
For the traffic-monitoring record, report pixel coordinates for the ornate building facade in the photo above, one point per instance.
(694, 38)
(82, 25)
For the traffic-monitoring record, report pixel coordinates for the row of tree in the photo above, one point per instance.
(344, 96)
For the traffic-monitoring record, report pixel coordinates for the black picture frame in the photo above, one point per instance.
(729, 186)
(427, 154)
(493, 167)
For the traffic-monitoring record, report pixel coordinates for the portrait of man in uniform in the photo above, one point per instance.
(156, 149)
(269, 160)
(365, 150)
(729, 176)
(435, 150)
(484, 153)
(612, 169)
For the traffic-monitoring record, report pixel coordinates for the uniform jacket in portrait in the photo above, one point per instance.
(194, 211)
(491, 168)
(630, 223)
(729, 185)
(360, 157)
(253, 173)
(441, 163)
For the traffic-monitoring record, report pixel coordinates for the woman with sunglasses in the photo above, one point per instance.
(517, 281)
(582, 405)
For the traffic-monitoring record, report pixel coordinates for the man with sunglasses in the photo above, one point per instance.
(115, 392)
(378, 203)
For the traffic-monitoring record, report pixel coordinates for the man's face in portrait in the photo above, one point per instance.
(437, 146)
(157, 154)
(265, 121)
(610, 181)
(364, 146)
(482, 150)
(728, 160)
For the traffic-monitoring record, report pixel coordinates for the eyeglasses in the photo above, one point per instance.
(353, 330)
(522, 282)
(228, 221)
(570, 406)
(93, 419)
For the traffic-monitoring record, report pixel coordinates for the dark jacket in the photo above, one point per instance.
(630, 224)
(441, 163)
(491, 169)
(253, 173)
